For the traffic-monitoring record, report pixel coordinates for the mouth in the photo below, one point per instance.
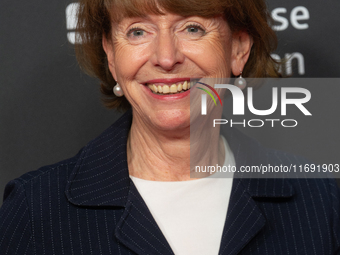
(175, 88)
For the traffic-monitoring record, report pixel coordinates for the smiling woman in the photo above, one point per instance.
(167, 50)
(129, 190)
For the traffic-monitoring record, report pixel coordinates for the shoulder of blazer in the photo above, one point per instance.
(100, 159)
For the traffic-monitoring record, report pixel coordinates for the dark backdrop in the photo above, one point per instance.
(49, 109)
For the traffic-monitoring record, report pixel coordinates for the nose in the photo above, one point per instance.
(167, 54)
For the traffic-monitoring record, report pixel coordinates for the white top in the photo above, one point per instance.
(191, 214)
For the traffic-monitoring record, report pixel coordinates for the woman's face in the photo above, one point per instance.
(152, 53)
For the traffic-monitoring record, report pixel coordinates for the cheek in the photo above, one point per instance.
(213, 56)
(129, 59)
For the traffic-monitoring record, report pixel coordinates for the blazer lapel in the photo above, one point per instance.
(138, 230)
(100, 179)
(244, 219)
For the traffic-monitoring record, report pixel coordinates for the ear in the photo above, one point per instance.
(241, 46)
(108, 48)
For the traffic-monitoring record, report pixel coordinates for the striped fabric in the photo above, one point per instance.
(89, 205)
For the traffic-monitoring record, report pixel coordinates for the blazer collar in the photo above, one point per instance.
(101, 178)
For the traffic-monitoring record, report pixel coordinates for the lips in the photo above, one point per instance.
(175, 88)
(170, 86)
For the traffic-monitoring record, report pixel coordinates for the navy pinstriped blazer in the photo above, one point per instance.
(89, 205)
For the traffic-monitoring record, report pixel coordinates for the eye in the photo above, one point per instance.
(135, 32)
(195, 29)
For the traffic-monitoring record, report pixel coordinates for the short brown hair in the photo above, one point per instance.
(95, 17)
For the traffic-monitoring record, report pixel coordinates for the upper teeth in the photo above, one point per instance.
(174, 88)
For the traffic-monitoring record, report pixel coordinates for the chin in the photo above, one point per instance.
(173, 120)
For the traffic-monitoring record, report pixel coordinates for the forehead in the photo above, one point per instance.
(120, 9)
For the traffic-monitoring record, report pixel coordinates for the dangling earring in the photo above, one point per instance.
(240, 82)
(117, 90)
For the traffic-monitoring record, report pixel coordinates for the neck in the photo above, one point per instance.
(165, 155)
